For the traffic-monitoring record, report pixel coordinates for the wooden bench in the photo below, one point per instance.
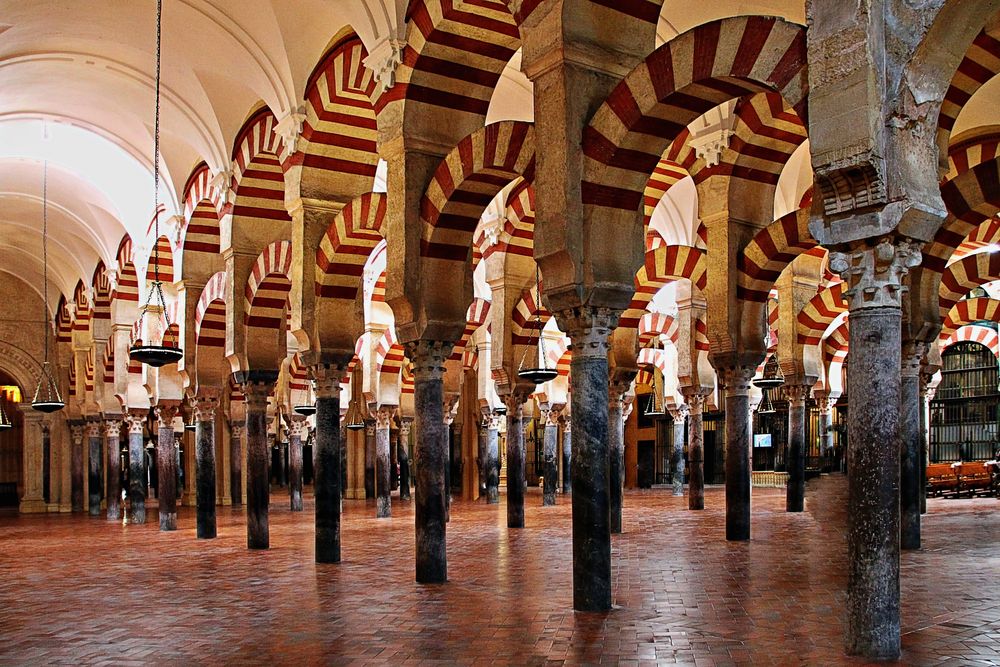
(941, 479)
(974, 477)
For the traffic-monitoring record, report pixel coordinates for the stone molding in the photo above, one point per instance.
(874, 274)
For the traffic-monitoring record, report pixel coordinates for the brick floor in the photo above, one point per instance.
(79, 590)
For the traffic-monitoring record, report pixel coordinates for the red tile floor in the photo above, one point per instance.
(77, 590)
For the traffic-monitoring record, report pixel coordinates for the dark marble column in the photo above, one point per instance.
(516, 482)
(695, 399)
(94, 456)
(616, 453)
(449, 419)
(393, 460)
(588, 329)
(327, 452)
(428, 359)
(493, 461)
(136, 468)
(550, 453)
(256, 390)
(567, 454)
(926, 394)
(404, 457)
(297, 432)
(383, 426)
(76, 432)
(204, 451)
(679, 414)
(483, 447)
(874, 278)
(166, 467)
(825, 404)
(737, 387)
(237, 432)
(113, 488)
(369, 459)
(795, 492)
(46, 463)
(910, 435)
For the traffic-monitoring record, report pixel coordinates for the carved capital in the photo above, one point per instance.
(256, 394)
(204, 408)
(326, 379)
(736, 379)
(136, 422)
(76, 432)
(796, 394)
(874, 274)
(589, 329)
(404, 427)
(370, 428)
(237, 430)
(678, 412)
(694, 397)
(112, 428)
(93, 429)
(383, 417)
(298, 427)
(428, 357)
(383, 60)
(824, 402)
(289, 129)
(165, 415)
(912, 359)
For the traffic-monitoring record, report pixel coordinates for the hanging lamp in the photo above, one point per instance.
(771, 378)
(353, 418)
(654, 408)
(305, 409)
(47, 397)
(191, 424)
(149, 354)
(5, 422)
(542, 374)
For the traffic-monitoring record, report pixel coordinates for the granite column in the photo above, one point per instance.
(327, 452)
(428, 359)
(204, 449)
(166, 466)
(493, 460)
(76, 432)
(94, 472)
(237, 432)
(369, 459)
(515, 458)
(404, 457)
(136, 468)
(297, 432)
(795, 492)
(550, 453)
(910, 435)
(256, 390)
(679, 414)
(736, 380)
(616, 453)
(383, 429)
(567, 454)
(696, 448)
(113, 482)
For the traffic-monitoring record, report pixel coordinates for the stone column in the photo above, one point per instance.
(483, 447)
(493, 460)
(237, 431)
(567, 452)
(33, 461)
(449, 419)
(94, 468)
(696, 448)
(327, 452)
(825, 405)
(256, 391)
(874, 276)
(383, 426)
(46, 462)
(297, 432)
(136, 468)
(369, 459)
(926, 394)
(112, 439)
(910, 462)
(404, 457)
(616, 453)
(589, 329)
(515, 459)
(76, 432)
(166, 467)
(737, 389)
(679, 414)
(204, 435)
(428, 359)
(795, 492)
(550, 453)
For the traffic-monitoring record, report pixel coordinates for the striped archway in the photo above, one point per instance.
(974, 333)
(817, 315)
(967, 311)
(771, 250)
(265, 306)
(960, 277)
(663, 265)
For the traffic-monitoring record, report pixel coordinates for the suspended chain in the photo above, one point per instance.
(156, 154)
(45, 252)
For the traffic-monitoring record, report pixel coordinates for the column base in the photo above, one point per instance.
(32, 506)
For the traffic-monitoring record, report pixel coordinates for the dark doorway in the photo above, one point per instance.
(646, 474)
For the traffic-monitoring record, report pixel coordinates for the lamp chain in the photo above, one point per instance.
(45, 253)
(156, 157)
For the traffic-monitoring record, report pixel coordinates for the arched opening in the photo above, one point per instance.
(964, 412)
(11, 444)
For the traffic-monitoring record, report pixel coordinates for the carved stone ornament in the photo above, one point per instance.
(874, 275)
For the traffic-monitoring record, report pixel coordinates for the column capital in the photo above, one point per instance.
(589, 329)
(237, 429)
(370, 427)
(298, 427)
(912, 358)
(824, 401)
(165, 414)
(93, 428)
(113, 428)
(136, 421)
(874, 273)
(552, 413)
(383, 417)
(514, 401)
(428, 358)
(404, 427)
(76, 431)
(796, 394)
(695, 397)
(326, 379)
(736, 379)
(256, 393)
(679, 412)
(204, 408)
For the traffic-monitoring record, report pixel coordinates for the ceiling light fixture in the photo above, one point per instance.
(47, 397)
(542, 374)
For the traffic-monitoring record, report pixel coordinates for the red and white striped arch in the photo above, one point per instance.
(81, 321)
(518, 236)
(663, 265)
(528, 315)
(339, 134)
(837, 344)
(972, 199)
(165, 261)
(967, 311)
(199, 190)
(210, 313)
(981, 63)
(770, 251)
(650, 356)
(345, 248)
(202, 212)
(653, 325)
(258, 178)
(686, 77)
(266, 294)
(127, 288)
(974, 333)
(454, 55)
(647, 11)
(971, 153)
(298, 375)
(64, 322)
(817, 315)
(102, 292)
(466, 182)
(88, 372)
(109, 363)
(475, 317)
(960, 277)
